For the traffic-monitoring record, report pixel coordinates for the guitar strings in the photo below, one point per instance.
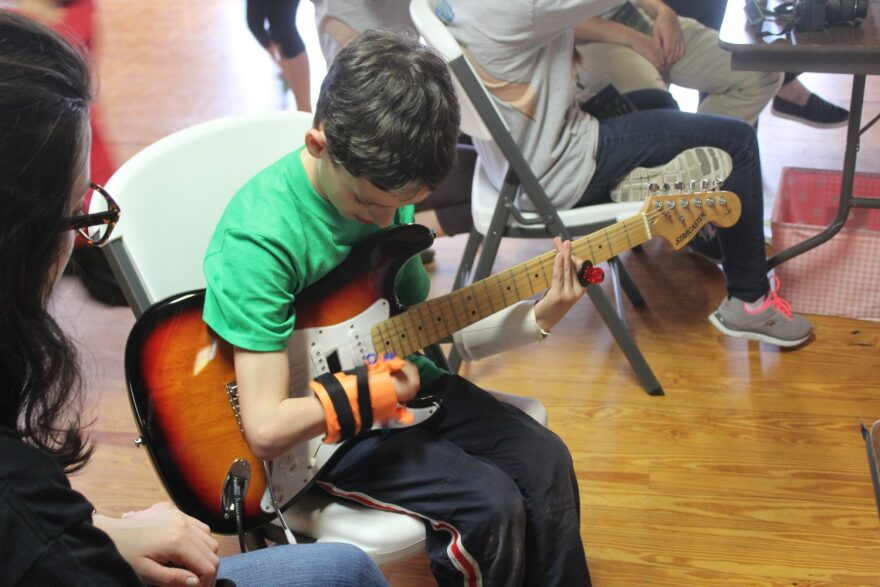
(617, 236)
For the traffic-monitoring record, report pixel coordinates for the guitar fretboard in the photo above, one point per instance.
(438, 318)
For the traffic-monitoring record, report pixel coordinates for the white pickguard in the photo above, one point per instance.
(310, 351)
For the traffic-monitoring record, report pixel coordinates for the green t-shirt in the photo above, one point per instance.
(277, 237)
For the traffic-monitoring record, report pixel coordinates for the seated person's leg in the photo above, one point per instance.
(466, 473)
(652, 138)
(706, 67)
(603, 63)
(795, 102)
(329, 565)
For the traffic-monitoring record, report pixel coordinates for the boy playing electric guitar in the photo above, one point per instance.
(497, 491)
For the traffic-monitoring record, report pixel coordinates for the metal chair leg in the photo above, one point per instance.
(614, 269)
(629, 285)
(625, 341)
(467, 259)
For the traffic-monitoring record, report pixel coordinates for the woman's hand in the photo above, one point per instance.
(406, 381)
(668, 36)
(565, 289)
(648, 47)
(165, 546)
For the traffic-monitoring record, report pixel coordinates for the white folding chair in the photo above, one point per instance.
(172, 195)
(495, 212)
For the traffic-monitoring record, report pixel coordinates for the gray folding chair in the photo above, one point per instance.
(495, 212)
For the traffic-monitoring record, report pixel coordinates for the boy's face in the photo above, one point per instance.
(354, 198)
(358, 199)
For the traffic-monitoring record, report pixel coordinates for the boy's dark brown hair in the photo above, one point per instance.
(389, 112)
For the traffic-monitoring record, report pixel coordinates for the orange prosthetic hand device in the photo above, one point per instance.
(354, 400)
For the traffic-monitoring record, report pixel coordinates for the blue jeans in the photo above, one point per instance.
(303, 565)
(652, 137)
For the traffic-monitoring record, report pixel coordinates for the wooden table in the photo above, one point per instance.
(839, 49)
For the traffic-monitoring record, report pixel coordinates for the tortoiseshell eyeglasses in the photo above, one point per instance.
(98, 217)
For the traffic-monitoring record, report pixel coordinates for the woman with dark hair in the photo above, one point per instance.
(50, 534)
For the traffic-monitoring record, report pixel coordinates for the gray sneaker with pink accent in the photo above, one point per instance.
(769, 319)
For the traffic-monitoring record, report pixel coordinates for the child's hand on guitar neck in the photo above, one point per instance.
(565, 289)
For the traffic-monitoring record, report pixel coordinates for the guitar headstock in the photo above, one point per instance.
(677, 218)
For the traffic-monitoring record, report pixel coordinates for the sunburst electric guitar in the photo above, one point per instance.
(181, 376)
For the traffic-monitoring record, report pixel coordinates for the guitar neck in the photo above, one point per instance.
(438, 318)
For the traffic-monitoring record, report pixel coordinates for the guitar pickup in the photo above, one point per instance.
(359, 342)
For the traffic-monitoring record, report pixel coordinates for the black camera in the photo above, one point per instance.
(815, 15)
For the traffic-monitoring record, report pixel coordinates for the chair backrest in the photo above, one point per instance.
(436, 35)
(173, 192)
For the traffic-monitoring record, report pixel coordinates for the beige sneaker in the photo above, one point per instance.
(694, 164)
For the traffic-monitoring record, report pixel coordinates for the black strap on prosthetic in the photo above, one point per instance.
(340, 403)
(365, 402)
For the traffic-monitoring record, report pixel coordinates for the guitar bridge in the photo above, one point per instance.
(232, 394)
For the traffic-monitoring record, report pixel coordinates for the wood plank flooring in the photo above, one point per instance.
(749, 471)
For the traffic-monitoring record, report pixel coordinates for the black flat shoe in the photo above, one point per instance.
(816, 112)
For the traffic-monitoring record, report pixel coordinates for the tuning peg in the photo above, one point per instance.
(698, 203)
(666, 187)
(716, 184)
(704, 184)
(679, 185)
(692, 184)
(653, 188)
(722, 200)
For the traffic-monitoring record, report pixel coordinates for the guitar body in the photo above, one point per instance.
(178, 371)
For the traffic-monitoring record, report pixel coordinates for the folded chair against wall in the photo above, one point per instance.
(172, 195)
(495, 212)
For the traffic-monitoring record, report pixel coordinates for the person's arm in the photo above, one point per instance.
(547, 19)
(667, 31)
(607, 31)
(164, 546)
(526, 321)
(273, 422)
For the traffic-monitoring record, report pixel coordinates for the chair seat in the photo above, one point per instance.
(485, 197)
(384, 536)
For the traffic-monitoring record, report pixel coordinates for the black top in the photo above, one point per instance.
(46, 531)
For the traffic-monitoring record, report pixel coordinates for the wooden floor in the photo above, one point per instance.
(749, 471)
